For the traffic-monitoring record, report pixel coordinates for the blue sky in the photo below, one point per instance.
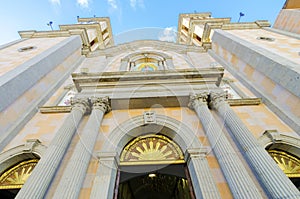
(124, 14)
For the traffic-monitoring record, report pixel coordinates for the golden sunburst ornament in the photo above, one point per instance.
(153, 152)
(289, 164)
(151, 149)
(16, 176)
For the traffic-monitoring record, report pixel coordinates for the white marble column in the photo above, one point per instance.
(237, 177)
(75, 171)
(275, 182)
(104, 182)
(38, 182)
(202, 179)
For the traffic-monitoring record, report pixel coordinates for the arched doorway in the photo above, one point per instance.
(16, 165)
(288, 163)
(108, 175)
(285, 150)
(12, 179)
(153, 166)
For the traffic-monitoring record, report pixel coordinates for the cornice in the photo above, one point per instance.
(135, 45)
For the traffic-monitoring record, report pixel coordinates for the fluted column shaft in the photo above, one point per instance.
(75, 171)
(267, 172)
(202, 179)
(104, 182)
(238, 179)
(37, 184)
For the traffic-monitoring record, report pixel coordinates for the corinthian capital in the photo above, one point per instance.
(102, 103)
(217, 98)
(81, 103)
(198, 99)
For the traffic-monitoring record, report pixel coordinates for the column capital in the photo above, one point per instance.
(217, 98)
(195, 153)
(81, 104)
(102, 103)
(198, 99)
(108, 156)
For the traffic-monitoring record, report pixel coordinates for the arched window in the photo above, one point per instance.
(146, 61)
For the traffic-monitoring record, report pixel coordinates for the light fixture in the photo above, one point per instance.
(152, 175)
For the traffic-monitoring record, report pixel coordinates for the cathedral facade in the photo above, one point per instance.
(213, 115)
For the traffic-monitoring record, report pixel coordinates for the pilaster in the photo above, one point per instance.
(203, 182)
(104, 182)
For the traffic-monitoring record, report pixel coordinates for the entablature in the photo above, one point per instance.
(129, 80)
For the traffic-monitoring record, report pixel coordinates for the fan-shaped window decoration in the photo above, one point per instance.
(15, 177)
(289, 164)
(146, 61)
(151, 149)
(145, 67)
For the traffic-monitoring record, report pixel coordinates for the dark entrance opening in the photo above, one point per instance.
(8, 193)
(296, 182)
(154, 181)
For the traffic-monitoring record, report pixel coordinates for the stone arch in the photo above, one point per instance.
(174, 129)
(198, 167)
(285, 150)
(284, 142)
(16, 165)
(163, 60)
(32, 149)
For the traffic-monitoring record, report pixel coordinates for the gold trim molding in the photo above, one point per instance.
(244, 101)
(55, 109)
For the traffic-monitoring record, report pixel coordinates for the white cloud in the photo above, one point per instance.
(135, 3)
(112, 4)
(141, 4)
(55, 2)
(83, 3)
(168, 34)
